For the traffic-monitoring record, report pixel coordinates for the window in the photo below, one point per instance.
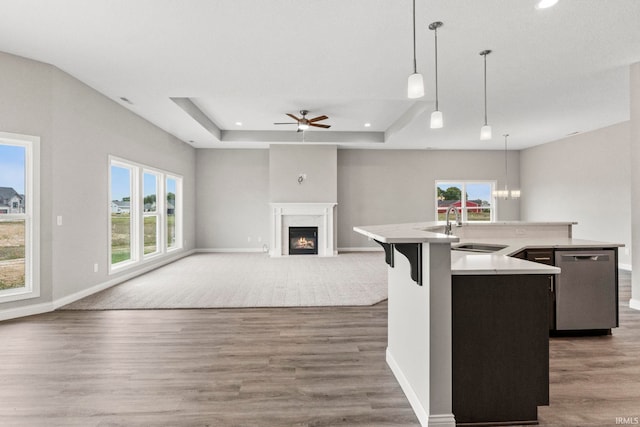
(472, 199)
(172, 218)
(121, 218)
(144, 207)
(19, 217)
(151, 213)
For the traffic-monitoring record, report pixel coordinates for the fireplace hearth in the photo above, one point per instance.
(303, 240)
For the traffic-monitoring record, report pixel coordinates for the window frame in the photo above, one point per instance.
(138, 215)
(31, 217)
(177, 212)
(463, 201)
(156, 213)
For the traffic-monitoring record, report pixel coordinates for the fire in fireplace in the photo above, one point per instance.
(303, 240)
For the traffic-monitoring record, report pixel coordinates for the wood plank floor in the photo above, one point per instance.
(264, 367)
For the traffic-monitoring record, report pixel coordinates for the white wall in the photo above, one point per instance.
(79, 128)
(232, 189)
(634, 136)
(584, 178)
(398, 186)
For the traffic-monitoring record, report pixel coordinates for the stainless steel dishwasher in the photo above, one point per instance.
(586, 290)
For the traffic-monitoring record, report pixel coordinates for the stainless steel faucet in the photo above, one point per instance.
(447, 228)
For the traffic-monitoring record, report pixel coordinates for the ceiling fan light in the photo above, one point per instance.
(415, 86)
(303, 126)
(544, 4)
(436, 120)
(485, 133)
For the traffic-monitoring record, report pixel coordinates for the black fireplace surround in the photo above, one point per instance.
(303, 240)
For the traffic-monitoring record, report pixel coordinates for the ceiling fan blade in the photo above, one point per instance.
(317, 119)
(318, 125)
(293, 117)
(287, 123)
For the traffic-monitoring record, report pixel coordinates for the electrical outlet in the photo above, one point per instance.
(249, 239)
(59, 219)
(95, 267)
(259, 239)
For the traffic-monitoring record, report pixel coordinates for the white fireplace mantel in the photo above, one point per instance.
(285, 215)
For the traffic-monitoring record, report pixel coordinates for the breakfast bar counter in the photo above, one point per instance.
(468, 329)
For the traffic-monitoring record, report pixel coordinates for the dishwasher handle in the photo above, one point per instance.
(585, 257)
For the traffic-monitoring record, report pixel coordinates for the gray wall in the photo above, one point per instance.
(318, 162)
(79, 128)
(373, 187)
(396, 186)
(233, 199)
(584, 178)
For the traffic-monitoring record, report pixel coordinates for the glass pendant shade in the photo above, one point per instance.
(515, 194)
(436, 120)
(501, 194)
(544, 4)
(485, 133)
(415, 86)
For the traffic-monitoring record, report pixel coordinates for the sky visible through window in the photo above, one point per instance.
(12, 172)
(120, 183)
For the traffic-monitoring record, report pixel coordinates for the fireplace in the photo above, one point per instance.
(303, 240)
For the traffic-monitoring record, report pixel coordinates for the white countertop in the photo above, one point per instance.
(404, 233)
(473, 263)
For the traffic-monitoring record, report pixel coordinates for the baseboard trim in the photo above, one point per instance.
(27, 310)
(625, 267)
(230, 250)
(415, 403)
(46, 307)
(60, 302)
(361, 249)
(425, 419)
(634, 304)
(442, 420)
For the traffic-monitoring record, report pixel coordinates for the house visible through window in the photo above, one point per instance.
(144, 208)
(19, 217)
(472, 199)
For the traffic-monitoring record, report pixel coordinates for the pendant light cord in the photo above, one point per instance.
(436, 41)
(485, 89)
(506, 172)
(415, 67)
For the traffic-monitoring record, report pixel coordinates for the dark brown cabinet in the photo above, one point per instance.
(500, 348)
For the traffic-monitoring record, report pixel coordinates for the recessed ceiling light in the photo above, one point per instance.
(573, 133)
(367, 125)
(544, 4)
(238, 123)
(123, 99)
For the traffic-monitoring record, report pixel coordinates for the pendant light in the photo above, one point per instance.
(485, 131)
(436, 116)
(545, 4)
(505, 194)
(415, 83)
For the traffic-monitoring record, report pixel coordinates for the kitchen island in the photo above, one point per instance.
(468, 330)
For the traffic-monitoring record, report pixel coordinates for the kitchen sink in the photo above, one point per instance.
(478, 247)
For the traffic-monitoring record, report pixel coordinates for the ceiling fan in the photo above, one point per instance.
(304, 123)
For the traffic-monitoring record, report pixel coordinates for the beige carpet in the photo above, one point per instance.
(250, 280)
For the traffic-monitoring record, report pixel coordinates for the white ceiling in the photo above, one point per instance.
(552, 72)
